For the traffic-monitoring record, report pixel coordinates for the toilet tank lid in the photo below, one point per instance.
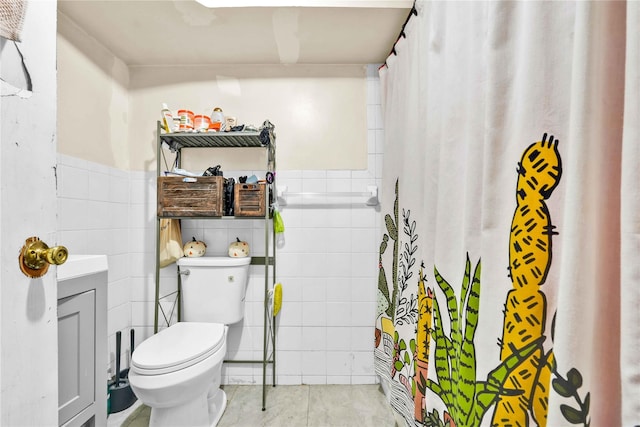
(213, 261)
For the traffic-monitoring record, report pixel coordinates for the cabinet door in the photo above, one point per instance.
(76, 354)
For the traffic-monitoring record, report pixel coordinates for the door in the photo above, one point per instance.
(28, 320)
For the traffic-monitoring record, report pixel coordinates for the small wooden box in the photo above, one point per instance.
(249, 199)
(179, 197)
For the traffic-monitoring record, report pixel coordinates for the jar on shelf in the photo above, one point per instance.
(201, 123)
(186, 119)
(217, 119)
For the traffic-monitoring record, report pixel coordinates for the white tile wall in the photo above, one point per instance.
(94, 218)
(327, 264)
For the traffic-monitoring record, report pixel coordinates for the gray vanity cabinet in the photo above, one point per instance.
(82, 350)
(76, 354)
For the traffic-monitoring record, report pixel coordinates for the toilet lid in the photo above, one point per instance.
(177, 347)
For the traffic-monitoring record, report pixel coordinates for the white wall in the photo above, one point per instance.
(327, 266)
(93, 113)
(108, 206)
(319, 110)
(93, 162)
(94, 211)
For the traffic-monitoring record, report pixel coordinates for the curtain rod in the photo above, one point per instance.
(412, 12)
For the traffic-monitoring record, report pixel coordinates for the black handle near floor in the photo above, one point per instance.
(120, 391)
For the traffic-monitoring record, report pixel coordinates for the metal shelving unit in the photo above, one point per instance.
(264, 139)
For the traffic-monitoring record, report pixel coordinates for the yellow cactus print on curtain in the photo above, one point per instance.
(416, 332)
(539, 173)
(423, 334)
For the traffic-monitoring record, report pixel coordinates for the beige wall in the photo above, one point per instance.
(319, 111)
(93, 106)
(107, 112)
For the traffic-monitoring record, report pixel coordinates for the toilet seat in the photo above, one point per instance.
(178, 347)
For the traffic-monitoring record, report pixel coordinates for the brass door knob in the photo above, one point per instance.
(35, 257)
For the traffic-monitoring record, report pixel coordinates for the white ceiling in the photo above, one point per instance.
(184, 32)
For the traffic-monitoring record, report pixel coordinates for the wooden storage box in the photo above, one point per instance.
(249, 199)
(179, 197)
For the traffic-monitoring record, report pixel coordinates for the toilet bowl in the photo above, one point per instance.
(178, 371)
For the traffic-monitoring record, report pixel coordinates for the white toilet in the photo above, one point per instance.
(177, 372)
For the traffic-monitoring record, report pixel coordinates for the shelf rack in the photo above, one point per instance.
(264, 139)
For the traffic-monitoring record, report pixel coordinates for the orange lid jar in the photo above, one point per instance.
(201, 123)
(186, 119)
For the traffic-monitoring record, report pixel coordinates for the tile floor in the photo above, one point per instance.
(290, 406)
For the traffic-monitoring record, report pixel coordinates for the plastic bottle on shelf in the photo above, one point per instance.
(167, 119)
(217, 119)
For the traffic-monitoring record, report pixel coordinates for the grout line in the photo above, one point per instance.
(308, 403)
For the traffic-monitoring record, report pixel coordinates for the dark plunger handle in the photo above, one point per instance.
(118, 345)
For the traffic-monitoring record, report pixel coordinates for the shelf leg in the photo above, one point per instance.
(273, 284)
(264, 342)
(157, 300)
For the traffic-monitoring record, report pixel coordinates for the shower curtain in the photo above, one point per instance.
(509, 285)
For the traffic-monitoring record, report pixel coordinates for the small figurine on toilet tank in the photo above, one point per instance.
(194, 248)
(238, 249)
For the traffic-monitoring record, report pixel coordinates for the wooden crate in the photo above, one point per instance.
(249, 199)
(178, 197)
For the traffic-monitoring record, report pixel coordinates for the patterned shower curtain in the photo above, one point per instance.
(509, 278)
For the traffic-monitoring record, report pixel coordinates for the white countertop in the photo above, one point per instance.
(82, 265)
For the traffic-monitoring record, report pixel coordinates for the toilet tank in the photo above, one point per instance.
(214, 288)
